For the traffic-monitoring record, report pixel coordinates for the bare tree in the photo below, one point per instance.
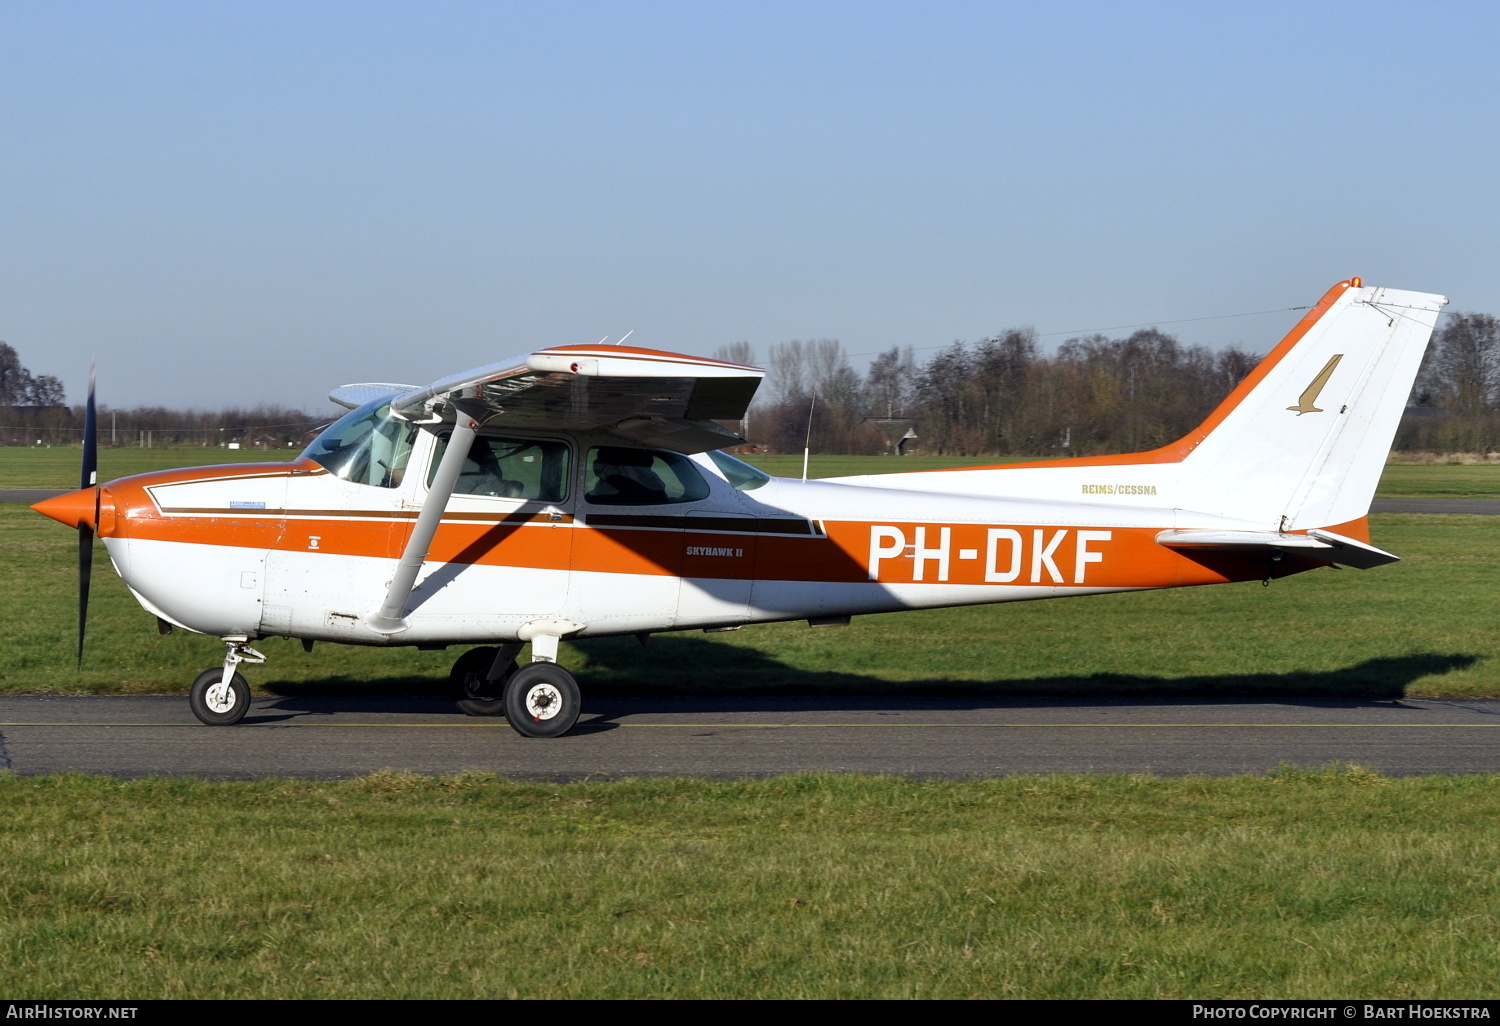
(44, 390)
(1462, 368)
(19, 388)
(15, 380)
(737, 352)
(892, 382)
(787, 373)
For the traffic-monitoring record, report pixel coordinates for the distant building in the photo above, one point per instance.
(900, 433)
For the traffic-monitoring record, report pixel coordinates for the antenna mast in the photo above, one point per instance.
(807, 444)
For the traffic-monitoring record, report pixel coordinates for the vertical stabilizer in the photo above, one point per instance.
(1302, 442)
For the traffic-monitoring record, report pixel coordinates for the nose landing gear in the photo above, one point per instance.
(219, 696)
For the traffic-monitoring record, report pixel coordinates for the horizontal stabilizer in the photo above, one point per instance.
(1325, 545)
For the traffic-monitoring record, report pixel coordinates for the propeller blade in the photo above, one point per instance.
(88, 477)
(85, 575)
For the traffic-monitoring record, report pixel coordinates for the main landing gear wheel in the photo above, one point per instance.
(541, 700)
(216, 703)
(475, 695)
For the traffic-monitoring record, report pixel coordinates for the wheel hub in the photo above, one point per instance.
(219, 697)
(476, 686)
(543, 701)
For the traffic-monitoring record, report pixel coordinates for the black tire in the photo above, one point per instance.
(541, 700)
(475, 695)
(214, 708)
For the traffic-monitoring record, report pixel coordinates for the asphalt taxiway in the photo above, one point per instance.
(331, 738)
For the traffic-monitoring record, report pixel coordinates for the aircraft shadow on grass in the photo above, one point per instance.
(695, 673)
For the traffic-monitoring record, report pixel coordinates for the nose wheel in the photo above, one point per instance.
(220, 697)
(216, 702)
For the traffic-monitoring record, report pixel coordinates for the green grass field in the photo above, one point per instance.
(1300, 884)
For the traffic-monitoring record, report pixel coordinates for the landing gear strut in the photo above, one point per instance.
(539, 700)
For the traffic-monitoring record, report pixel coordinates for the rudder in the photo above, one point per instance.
(1302, 442)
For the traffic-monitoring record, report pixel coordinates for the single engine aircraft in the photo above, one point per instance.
(580, 491)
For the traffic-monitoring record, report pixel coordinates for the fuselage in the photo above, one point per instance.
(300, 550)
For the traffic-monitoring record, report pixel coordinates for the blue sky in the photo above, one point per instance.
(234, 203)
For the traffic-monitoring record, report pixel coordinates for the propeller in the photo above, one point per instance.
(88, 477)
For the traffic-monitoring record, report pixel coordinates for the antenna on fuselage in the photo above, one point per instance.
(807, 443)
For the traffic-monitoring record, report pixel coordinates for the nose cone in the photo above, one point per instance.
(76, 509)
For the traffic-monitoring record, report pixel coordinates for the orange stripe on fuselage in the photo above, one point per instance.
(1075, 556)
(1018, 555)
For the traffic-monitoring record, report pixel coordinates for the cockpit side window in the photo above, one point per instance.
(618, 476)
(368, 446)
(510, 468)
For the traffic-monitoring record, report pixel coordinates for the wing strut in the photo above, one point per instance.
(390, 618)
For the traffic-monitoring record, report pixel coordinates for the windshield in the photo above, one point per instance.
(367, 446)
(743, 476)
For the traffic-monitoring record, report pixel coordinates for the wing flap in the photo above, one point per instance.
(1319, 544)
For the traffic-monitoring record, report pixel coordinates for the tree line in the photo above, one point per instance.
(1003, 396)
(999, 396)
(1455, 406)
(34, 410)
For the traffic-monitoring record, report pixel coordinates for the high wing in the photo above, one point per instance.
(643, 395)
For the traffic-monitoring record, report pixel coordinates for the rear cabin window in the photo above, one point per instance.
(618, 476)
(528, 469)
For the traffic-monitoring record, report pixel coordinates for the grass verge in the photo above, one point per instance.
(1300, 884)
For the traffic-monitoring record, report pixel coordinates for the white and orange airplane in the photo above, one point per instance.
(579, 492)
